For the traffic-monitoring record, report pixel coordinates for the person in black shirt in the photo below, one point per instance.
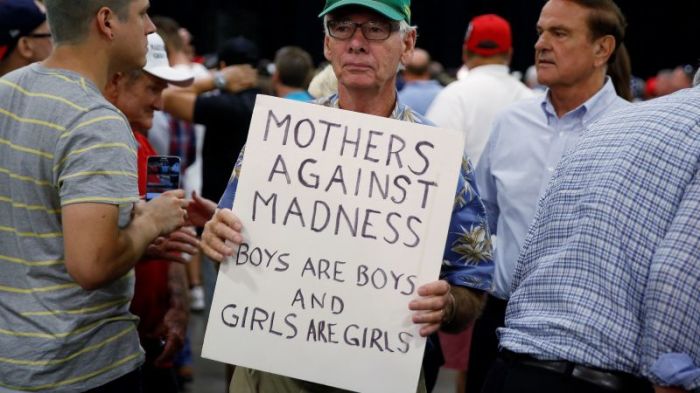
(226, 115)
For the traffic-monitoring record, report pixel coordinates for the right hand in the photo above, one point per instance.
(200, 210)
(224, 226)
(168, 211)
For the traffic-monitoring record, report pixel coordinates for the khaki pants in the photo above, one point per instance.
(246, 380)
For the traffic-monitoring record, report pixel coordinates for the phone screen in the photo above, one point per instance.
(162, 174)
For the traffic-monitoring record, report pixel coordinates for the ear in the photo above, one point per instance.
(24, 48)
(105, 20)
(604, 47)
(409, 44)
(326, 47)
(111, 91)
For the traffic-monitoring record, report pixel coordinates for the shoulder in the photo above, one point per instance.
(526, 107)
(455, 89)
(677, 111)
(408, 114)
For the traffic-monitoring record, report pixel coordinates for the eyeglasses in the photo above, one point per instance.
(371, 30)
(39, 35)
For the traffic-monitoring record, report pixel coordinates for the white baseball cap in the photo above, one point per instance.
(157, 63)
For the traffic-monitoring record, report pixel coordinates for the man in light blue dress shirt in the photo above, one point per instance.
(529, 138)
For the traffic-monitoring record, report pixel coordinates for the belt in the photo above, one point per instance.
(613, 380)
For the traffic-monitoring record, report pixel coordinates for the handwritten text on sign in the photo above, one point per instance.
(344, 216)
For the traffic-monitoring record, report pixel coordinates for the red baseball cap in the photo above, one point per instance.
(488, 35)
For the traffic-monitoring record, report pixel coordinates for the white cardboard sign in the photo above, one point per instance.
(345, 215)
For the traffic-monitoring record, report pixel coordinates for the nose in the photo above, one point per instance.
(541, 42)
(358, 41)
(149, 26)
(158, 102)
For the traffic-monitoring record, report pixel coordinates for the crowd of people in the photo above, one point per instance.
(581, 182)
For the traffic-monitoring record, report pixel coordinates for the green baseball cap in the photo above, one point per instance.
(392, 9)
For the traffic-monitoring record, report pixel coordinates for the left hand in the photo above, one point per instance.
(171, 247)
(434, 305)
(173, 329)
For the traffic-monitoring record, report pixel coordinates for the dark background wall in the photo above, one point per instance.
(661, 34)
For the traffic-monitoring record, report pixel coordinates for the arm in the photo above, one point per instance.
(174, 325)
(179, 102)
(458, 297)
(669, 342)
(98, 252)
(224, 225)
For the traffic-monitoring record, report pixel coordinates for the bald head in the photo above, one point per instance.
(417, 67)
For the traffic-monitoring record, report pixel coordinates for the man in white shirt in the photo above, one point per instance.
(470, 104)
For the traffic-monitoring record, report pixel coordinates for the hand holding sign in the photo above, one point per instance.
(435, 306)
(224, 226)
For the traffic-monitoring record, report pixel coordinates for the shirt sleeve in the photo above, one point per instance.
(487, 183)
(226, 201)
(468, 259)
(670, 346)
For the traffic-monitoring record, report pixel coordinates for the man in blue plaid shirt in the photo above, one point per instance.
(606, 289)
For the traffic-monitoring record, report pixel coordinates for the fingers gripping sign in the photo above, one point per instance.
(220, 233)
(435, 306)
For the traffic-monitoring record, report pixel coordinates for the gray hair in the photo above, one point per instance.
(404, 27)
(69, 20)
(696, 80)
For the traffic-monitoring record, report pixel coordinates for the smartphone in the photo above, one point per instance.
(162, 174)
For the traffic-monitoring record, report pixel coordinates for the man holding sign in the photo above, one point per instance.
(366, 41)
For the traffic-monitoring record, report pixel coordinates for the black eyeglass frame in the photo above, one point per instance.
(38, 35)
(393, 26)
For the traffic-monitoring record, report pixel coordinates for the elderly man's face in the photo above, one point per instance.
(138, 99)
(362, 64)
(565, 51)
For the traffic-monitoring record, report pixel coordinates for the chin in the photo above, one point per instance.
(358, 83)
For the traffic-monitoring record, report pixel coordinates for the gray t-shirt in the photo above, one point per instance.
(61, 143)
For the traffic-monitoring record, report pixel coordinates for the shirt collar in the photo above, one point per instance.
(333, 101)
(400, 112)
(498, 69)
(589, 109)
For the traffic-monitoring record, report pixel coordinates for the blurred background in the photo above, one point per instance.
(661, 34)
